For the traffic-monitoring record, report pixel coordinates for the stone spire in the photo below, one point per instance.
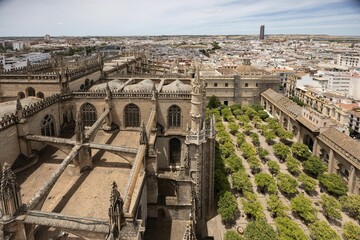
(196, 102)
(19, 108)
(116, 214)
(9, 192)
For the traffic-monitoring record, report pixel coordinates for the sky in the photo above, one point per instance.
(177, 17)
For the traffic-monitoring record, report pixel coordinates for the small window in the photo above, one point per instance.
(257, 84)
(215, 84)
(205, 84)
(226, 103)
(246, 84)
(226, 84)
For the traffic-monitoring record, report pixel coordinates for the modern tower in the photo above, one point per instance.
(262, 32)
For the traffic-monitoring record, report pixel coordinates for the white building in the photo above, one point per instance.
(348, 60)
(18, 46)
(338, 79)
(354, 89)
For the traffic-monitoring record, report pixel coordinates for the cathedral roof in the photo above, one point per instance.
(176, 86)
(10, 106)
(144, 85)
(114, 85)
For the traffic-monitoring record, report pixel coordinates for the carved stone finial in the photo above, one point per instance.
(154, 92)
(108, 91)
(9, 192)
(116, 214)
(18, 105)
(79, 128)
(143, 136)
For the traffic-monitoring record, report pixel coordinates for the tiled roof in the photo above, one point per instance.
(348, 144)
(282, 102)
(308, 124)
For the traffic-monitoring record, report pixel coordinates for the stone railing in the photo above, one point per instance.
(177, 94)
(156, 76)
(43, 76)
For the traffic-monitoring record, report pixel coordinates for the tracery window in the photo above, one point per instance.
(132, 116)
(174, 116)
(48, 126)
(88, 113)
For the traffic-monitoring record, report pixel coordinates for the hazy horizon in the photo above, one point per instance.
(180, 17)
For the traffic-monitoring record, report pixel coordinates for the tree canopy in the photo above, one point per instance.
(351, 231)
(273, 166)
(265, 182)
(331, 207)
(281, 150)
(214, 102)
(259, 230)
(351, 205)
(227, 207)
(289, 230)
(307, 183)
(241, 182)
(333, 184)
(232, 235)
(287, 183)
(293, 165)
(252, 206)
(314, 166)
(300, 151)
(276, 207)
(320, 230)
(303, 207)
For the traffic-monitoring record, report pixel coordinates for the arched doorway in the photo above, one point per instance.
(30, 92)
(308, 141)
(175, 151)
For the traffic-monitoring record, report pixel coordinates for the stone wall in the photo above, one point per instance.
(10, 148)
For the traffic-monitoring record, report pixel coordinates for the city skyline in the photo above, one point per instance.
(160, 17)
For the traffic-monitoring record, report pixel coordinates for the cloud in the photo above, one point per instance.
(143, 17)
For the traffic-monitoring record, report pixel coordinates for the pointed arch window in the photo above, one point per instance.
(48, 126)
(174, 116)
(132, 116)
(88, 112)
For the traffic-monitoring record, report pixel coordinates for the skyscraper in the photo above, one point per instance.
(262, 32)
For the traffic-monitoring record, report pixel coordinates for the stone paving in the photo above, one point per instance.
(218, 229)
